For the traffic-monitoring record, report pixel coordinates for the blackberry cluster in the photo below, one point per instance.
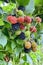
(21, 25)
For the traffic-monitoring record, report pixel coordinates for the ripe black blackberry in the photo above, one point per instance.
(15, 26)
(13, 1)
(27, 50)
(21, 8)
(14, 15)
(1, 27)
(35, 40)
(7, 1)
(22, 36)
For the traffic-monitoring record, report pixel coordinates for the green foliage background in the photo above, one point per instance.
(8, 46)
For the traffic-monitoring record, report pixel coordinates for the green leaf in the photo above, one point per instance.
(1, 23)
(10, 62)
(9, 7)
(5, 16)
(3, 62)
(13, 45)
(5, 31)
(29, 60)
(13, 1)
(21, 61)
(1, 10)
(25, 63)
(3, 39)
(7, 25)
(38, 2)
(20, 42)
(0, 2)
(30, 7)
(24, 58)
(17, 51)
(8, 47)
(23, 2)
(1, 56)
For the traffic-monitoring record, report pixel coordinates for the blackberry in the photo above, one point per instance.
(21, 8)
(13, 1)
(7, 1)
(41, 16)
(1, 27)
(22, 36)
(27, 45)
(34, 44)
(14, 15)
(32, 19)
(15, 26)
(35, 40)
(34, 49)
(27, 50)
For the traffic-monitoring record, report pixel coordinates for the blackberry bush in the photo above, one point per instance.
(16, 30)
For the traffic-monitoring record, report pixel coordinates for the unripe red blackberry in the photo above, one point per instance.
(12, 19)
(27, 19)
(38, 19)
(20, 19)
(33, 29)
(22, 27)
